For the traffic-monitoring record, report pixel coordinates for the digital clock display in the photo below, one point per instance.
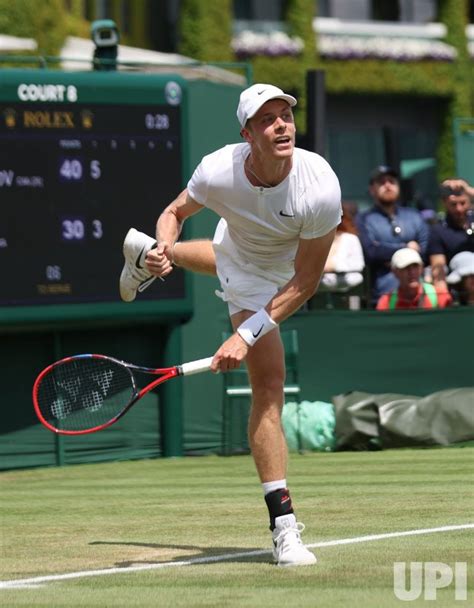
(73, 179)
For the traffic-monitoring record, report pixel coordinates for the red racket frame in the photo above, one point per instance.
(165, 373)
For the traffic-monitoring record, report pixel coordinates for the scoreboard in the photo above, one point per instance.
(84, 157)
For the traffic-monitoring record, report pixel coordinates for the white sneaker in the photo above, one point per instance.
(135, 276)
(288, 549)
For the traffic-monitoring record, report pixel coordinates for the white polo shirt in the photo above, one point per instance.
(261, 227)
(265, 224)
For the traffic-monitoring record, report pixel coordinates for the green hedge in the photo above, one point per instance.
(206, 34)
(206, 29)
(46, 22)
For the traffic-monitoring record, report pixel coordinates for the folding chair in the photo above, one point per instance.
(238, 393)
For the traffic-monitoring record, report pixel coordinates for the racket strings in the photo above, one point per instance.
(84, 393)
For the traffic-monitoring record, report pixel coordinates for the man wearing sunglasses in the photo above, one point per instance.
(456, 232)
(387, 227)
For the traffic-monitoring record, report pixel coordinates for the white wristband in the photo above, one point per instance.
(256, 326)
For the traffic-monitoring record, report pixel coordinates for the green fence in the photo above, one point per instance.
(416, 352)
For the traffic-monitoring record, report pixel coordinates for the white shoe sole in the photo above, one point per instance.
(128, 294)
(307, 561)
(297, 564)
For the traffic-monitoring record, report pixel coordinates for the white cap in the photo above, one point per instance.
(404, 257)
(253, 98)
(461, 265)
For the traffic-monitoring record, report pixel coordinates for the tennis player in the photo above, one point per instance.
(279, 207)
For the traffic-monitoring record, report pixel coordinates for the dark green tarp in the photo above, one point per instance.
(370, 421)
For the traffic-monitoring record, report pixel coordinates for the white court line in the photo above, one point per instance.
(39, 580)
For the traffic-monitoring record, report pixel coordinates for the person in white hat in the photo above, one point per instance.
(412, 291)
(461, 277)
(279, 207)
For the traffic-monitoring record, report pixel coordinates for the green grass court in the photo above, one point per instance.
(209, 511)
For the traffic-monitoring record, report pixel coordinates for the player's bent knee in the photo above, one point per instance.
(268, 390)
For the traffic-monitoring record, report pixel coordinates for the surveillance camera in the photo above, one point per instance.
(104, 33)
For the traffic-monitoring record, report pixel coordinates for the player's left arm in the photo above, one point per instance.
(313, 251)
(310, 260)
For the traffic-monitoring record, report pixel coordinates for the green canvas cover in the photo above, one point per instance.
(375, 421)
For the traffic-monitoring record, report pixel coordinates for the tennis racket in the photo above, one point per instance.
(88, 393)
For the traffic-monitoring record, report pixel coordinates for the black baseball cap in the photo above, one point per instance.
(382, 170)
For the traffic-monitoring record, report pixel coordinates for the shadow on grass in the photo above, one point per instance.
(206, 555)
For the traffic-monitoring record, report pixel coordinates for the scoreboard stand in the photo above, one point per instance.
(84, 156)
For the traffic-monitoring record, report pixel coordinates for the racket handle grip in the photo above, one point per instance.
(196, 367)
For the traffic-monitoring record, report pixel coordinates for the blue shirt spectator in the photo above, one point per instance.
(387, 227)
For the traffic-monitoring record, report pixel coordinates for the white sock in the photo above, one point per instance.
(271, 486)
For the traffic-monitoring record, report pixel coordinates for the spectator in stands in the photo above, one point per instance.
(461, 277)
(345, 263)
(412, 291)
(387, 227)
(456, 232)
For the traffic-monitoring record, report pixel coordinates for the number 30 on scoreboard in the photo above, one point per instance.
(74, 229)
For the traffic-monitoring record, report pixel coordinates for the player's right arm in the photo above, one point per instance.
(159, 261)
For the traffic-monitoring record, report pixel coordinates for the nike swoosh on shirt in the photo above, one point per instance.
(283, 214)
(137, 261)
(255, 335)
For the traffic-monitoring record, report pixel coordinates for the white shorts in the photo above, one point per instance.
(244, 285)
